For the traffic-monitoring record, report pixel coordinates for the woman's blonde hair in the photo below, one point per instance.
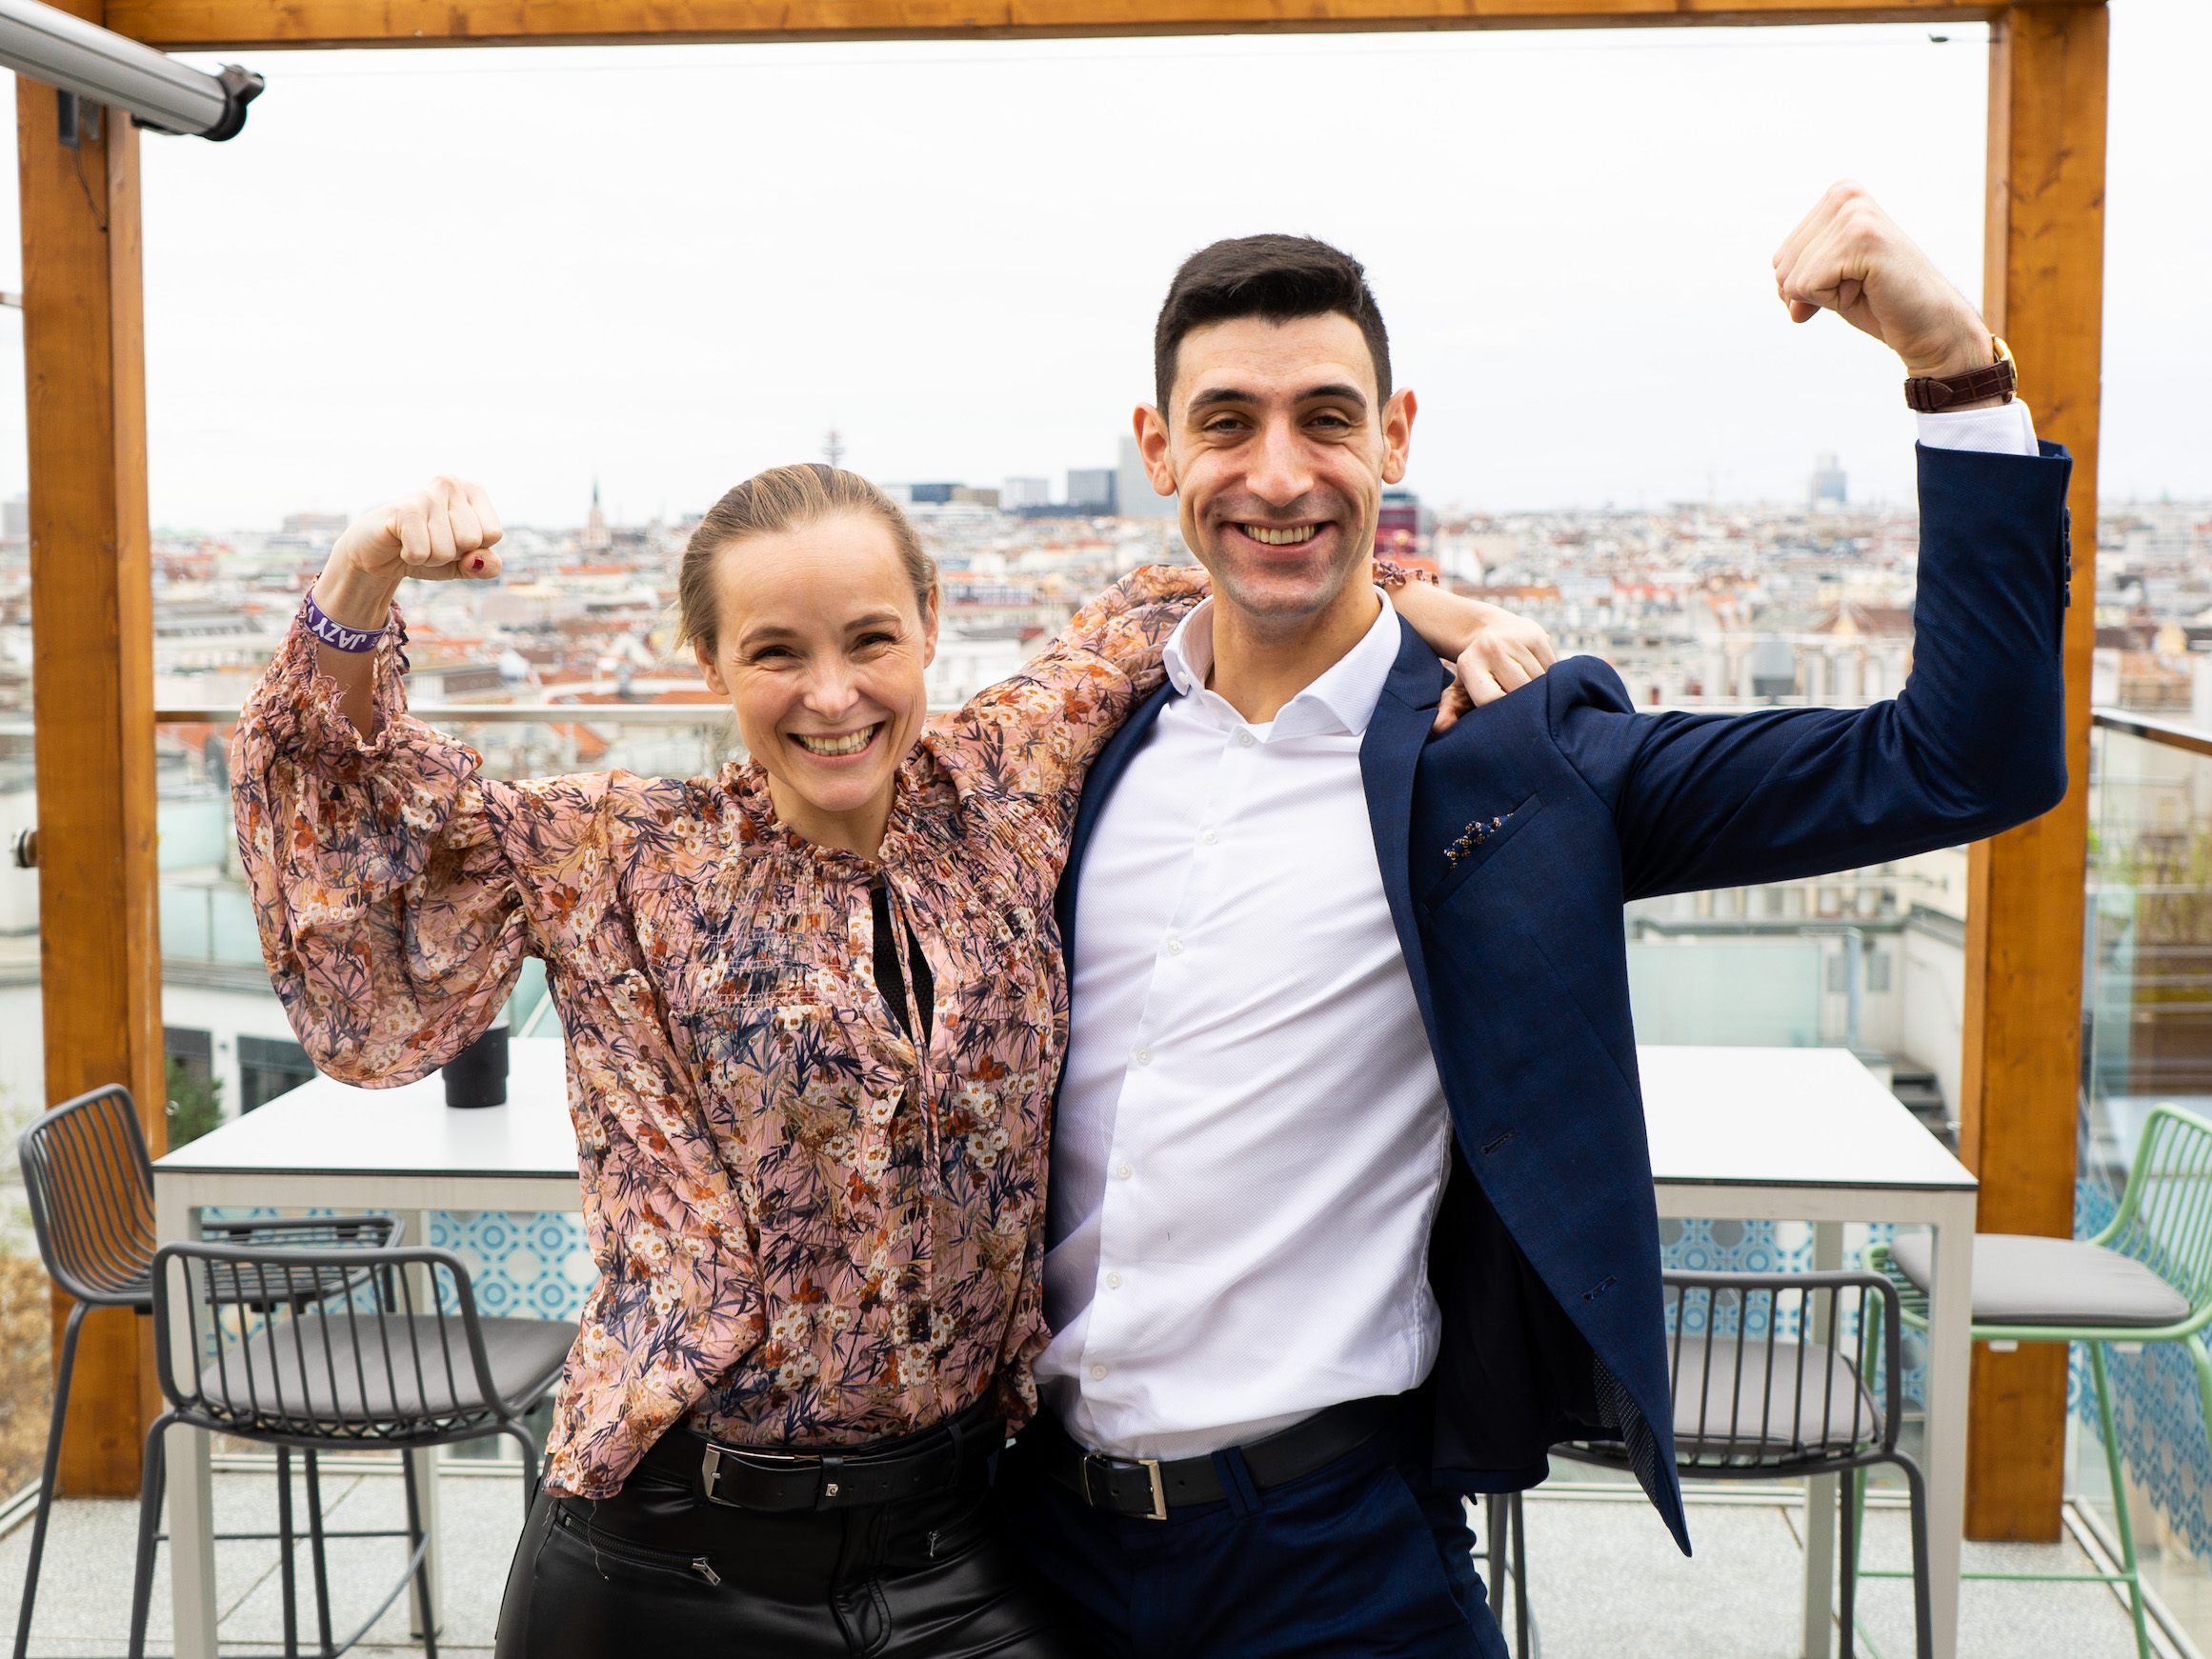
(779, 499)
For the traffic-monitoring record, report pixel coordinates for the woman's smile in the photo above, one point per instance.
(839, 746)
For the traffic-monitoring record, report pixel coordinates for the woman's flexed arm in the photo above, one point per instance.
(445, 533)
(391, 883)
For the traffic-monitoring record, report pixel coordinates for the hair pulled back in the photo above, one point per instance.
(786, 498)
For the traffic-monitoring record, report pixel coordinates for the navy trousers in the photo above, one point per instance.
(1363, 1559)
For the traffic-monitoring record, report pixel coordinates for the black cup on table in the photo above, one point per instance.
(477, 1075)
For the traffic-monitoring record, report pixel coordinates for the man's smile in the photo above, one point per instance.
(1281, 535)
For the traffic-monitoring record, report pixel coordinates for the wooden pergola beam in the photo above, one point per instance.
(2043, 289)
(237, 25)
(92, 606)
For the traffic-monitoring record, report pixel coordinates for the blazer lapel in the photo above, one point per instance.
(1388, 756)
(1105, 772)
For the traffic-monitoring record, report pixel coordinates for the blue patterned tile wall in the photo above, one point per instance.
(523, 1265)
(2158, 1414)
(1779, 1247)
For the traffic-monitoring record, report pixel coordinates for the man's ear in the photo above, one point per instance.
(1152, 444)
(1397, 419)
(711, 668)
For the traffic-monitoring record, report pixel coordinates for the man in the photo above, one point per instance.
(1352, 1209)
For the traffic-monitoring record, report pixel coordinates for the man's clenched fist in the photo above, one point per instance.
(447, 533)
(1849, 257)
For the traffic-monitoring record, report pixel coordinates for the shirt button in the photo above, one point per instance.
(1122, 1171)
(1097, 1373)
(1245, 740)
(1144, 1056)
(1174, 947)
(1112, 1281)
(1209, 838)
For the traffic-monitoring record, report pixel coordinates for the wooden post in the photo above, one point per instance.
(92, 684)
(2045, 291)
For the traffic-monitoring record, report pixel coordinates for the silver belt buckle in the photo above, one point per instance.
(710, 1466)
(1150, 1466)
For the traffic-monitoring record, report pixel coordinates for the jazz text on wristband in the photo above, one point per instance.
(336, 634)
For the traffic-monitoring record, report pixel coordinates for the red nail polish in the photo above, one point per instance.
(476, 564)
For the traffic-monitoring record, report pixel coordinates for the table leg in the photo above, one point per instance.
(423, 1618)
(1820, 1522)
(1950, 1355)
(191, 1518)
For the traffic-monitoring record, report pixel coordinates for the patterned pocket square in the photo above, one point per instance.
(1473, 836)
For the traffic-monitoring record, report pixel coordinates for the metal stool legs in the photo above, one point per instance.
(2124, 1527)
(64, 1375)
(417, 1542)
(46, 1477)
(1501, 1516)
(150, 1494)
(315, 1497)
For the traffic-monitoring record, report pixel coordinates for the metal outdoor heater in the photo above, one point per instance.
(91, 65)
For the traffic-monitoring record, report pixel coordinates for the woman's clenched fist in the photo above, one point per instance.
(445, 533)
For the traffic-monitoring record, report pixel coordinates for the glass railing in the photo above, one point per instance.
(2146, 1040)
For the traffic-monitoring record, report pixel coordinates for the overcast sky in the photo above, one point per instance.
(667, 267)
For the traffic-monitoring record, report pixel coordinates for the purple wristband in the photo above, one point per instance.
(336, 634)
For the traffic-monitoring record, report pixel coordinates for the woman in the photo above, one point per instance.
(814, 1009)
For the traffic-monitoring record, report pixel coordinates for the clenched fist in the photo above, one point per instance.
(445, 533)
(1849, 257)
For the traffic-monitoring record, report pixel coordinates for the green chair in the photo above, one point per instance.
(2147, 1277)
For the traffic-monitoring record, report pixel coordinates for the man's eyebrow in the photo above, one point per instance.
(1333, 392)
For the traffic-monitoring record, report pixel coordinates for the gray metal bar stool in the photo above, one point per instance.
(90, 1189)
(1753, 1404)
(353, 1347)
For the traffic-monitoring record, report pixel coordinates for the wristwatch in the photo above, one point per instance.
(1928, 395)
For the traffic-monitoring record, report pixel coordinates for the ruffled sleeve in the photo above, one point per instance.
(1037, 730)
(390, 916)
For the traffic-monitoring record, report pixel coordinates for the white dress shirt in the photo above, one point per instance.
(1252, 1137)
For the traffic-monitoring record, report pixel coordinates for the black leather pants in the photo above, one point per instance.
(659, 1568)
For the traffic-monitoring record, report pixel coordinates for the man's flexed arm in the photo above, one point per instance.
(1849, 257)
(1974, 744)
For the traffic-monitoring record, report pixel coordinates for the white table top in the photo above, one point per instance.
(333, 1128)
(1759, 1117)
(1784, 1117)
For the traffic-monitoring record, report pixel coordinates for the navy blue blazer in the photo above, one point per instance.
(1508, 846)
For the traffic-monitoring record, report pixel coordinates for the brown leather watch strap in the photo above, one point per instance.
(1927, 395)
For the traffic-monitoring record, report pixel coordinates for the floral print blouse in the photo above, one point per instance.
(808, 1230)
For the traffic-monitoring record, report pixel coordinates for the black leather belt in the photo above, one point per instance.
(1149, 1487)
(774, 1479)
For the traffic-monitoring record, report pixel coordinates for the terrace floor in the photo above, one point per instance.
(1737, 1598)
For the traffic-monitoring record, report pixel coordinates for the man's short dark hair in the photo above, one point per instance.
(1276, 277)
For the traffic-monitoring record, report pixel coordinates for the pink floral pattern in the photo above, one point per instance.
(808, 1230)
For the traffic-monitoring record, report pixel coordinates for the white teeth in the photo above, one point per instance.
(1287, 536)
(851, 743)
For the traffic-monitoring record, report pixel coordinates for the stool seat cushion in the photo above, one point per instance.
(378, 1373)
(1758, 1407)
(2020, 1279)
(1792, 1400)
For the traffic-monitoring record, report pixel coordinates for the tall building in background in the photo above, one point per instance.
(1090, 489)
(1134, 497)
(596, 538)
(1828, 491)
(1017, 493)
(1399, 526)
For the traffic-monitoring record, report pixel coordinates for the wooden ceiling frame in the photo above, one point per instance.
(241, 25)
(91, 572)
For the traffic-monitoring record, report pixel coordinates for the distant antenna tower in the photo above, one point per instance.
(834, 447)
